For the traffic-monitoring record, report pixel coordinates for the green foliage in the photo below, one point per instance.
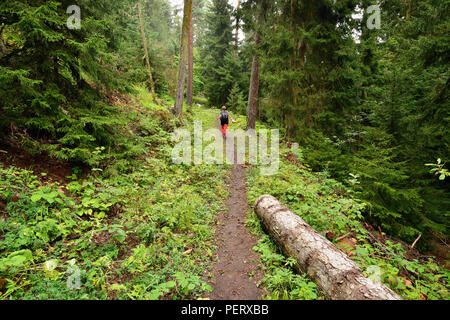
(376, 108)
(146, 234)
(45, 67)
(16, 261)
(281, 279)
(368, 113)
(414, 280)
(327, 206)
(236, 101)
(58, 84)
(439, 170)
(221, 68)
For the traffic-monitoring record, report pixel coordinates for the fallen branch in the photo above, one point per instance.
(343, 237)
(373, 240)
(415, 242)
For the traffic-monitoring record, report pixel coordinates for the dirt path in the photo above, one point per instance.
(236, 273)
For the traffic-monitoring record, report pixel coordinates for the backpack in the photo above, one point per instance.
(224, 116)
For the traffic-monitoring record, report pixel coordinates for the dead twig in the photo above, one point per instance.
(342, 237)
(379, 244)
(381, 232)
(415, 242)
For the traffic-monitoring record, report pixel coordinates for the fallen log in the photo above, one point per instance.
(330, 268)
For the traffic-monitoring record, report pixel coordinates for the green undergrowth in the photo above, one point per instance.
(135, 228)
(328, 207)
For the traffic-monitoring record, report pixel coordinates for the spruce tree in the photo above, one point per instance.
(53, 79)
(236, 101)
(218, 65)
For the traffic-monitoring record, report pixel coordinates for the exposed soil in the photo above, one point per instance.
(2, 208)
(13, 155)
(237, 271)
(440, 250)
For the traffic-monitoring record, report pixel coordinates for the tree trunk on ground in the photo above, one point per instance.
(330, 268)
(190, 64)
(183, 52)
(147, 59)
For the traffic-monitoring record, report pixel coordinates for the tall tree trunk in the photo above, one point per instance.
(408, 10)
(236, 41)
(330, 268)
(147, 59)
(2, 46)
(254, 80)
(3, 50)
(253, 94)
(183, 53)
(190, 64)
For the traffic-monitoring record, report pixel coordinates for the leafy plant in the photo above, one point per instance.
(16, 262)
(439, 170)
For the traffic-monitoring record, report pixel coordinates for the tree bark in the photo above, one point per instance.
(3, 50)
(253, 95)
(183, 52)
(408, 10)
(2, 46)
(190, 64)
(330, 268)
(147, 59)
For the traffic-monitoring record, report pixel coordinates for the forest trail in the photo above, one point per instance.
(236, 273)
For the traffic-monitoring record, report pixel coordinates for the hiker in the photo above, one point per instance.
(224, 121)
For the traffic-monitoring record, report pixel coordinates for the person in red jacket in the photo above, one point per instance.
(224, 121)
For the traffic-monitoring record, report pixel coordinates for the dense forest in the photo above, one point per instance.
(92, 91)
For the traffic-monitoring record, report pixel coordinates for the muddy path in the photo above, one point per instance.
(237, 272)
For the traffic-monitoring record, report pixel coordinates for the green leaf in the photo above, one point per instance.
(117, 287)
(16, 259)
(170, 284)
(36, 197)
(191, 287)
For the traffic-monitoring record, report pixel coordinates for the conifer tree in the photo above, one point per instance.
(218, 66)
(51, 76)
(236, 101)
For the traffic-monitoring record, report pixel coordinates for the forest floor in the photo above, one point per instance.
(237, 273)
(55, 170)
(149, 229)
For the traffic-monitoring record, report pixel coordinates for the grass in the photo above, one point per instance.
(137, 229)
(328, 206)
(143, 228)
